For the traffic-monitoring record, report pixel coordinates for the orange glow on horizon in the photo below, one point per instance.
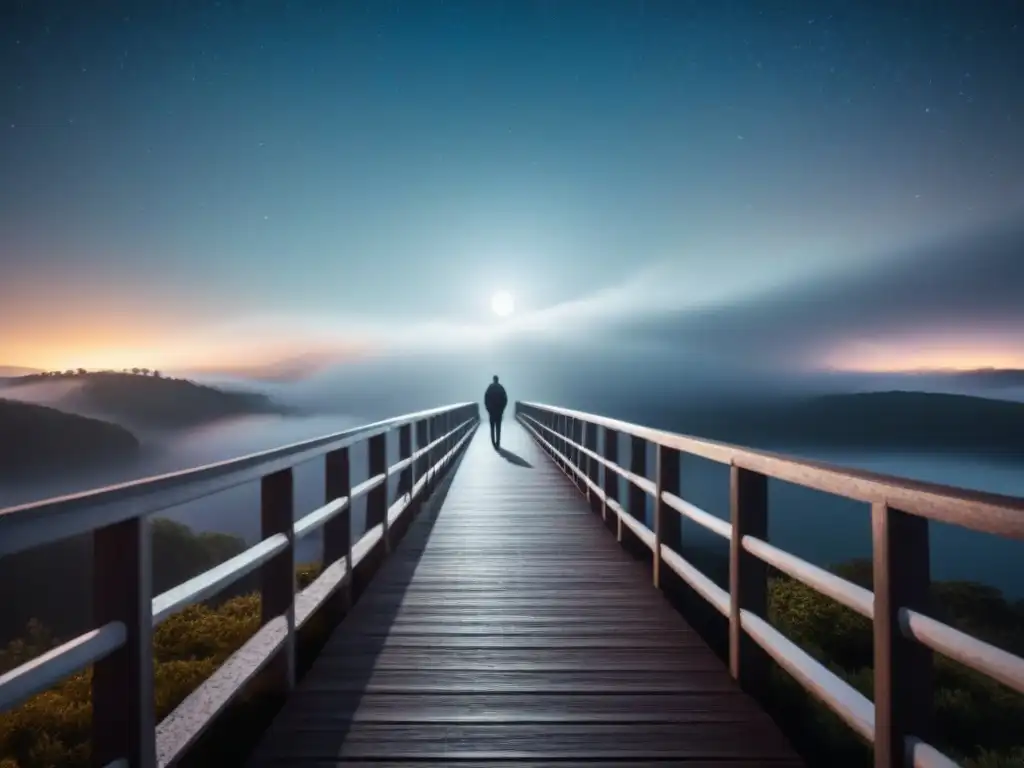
(921, 355)
(106, 348)
(259, 362)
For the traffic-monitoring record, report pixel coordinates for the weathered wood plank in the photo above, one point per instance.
(520, 660)
(518, 740)
(530, 707)
(510, 626)
(531, 763)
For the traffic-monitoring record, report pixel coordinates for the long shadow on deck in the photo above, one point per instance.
(514, 458)
(398, 570)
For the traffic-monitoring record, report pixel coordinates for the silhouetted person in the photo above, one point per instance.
(495, 401)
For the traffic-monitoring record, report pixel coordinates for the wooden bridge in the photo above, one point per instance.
(487, 614)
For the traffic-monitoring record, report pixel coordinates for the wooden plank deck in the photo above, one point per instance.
(510, 628)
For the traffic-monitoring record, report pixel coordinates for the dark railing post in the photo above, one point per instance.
(377, 499)
(123, 720)
(338, 530)
(432, 453)
(555, 437)
(438, 452)
(577, 454)
(748, 575)
(403, 492)
(667, 521)
(405, 452)
(637, 495)
(570, 450)
(563, 445)
(277, 576)
(552, 422)
(611, 478)
(446, 426)
(593, 468)
(422, 464)
(903, 668)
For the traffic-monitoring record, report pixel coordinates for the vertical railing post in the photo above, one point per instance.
(667, 521)
(637, 495)
(548, 420)
(570, 451)
(123, 720)
(446, 425)
(438, 452)
(593, 468)
(903, 668)
(405, 452)
(432, 453)
(577, 455)
(611, 478)
(551, 419)
(377, 498)
(422, 464)
(338, 530)
(403, 492)
(567, 446)
(558, 442)
(748, 575)
(277, 576)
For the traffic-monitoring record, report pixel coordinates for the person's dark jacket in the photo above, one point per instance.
(495, 399)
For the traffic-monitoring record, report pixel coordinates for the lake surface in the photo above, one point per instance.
(237, 510)
(826, 529)
(820, 528)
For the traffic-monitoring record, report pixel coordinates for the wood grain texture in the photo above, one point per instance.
(507, 628)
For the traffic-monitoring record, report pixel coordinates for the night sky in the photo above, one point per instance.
(192, 183)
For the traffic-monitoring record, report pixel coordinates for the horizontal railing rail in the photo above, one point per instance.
(897, 722)
(42, 522)
(125, 611)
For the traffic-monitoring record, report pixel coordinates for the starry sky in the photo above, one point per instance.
(826, 184)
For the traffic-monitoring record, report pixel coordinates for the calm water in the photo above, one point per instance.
(235, 511)
(825, 529)
(820, 528)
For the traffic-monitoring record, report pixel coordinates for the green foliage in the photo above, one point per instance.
(1013, 758)
(179, 553)
(976, 718)
(52, 728)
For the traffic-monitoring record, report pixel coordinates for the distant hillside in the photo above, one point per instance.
(11, 371)
(140, 399)
(993, 377)
(35, 439)
(887, 421)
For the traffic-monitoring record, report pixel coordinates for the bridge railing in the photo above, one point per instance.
(120, 648)
(897, 721)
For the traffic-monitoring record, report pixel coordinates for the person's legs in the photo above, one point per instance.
(494, 428)
(497, 431)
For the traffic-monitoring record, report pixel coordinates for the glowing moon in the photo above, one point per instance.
(502, 304)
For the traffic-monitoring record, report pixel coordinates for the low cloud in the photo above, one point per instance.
(968, 291)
